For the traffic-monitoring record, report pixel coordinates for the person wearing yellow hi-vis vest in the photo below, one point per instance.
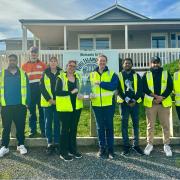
(129, 97)
(157, 88)
(104, 82)
(51, 118)
(14, 99)
(69, 104)
(177, 90)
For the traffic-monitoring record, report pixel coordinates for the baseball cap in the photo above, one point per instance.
(155, 59)
(34, 49)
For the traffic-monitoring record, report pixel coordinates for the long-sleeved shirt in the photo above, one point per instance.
(157, 75)
(129, 78)
(52, 78)
(12, 88)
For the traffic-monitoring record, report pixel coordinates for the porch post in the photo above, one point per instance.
(65, 38)
(24, 38)
(126, 36)
(39, 44)
(34, 40)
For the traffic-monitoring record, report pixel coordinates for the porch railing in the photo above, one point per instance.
(141, 57)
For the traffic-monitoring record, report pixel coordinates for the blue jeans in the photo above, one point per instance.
(104, 124)
(52, 118)
(134, 112)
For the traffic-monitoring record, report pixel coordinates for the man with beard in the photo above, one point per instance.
(34, 69)
(157, 87)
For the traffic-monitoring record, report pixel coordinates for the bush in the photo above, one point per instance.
(172, 67)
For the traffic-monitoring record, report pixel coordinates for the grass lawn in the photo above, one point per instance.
(84, 124)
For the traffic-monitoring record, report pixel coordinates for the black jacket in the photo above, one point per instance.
(130, 94)
(53, 78)
(157, 75)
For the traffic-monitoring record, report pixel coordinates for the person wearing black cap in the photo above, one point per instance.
(157, 87)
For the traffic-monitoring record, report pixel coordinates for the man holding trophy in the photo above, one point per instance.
(130, 92)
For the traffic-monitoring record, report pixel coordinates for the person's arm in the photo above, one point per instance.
(28, 96)
(169, 87)
(146, 90)
(139, 88)
(111, 86)
(58, 88)
(43, 89)
(120, 91)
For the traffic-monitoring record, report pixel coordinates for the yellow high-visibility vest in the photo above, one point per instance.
(148, 100)
(23, 88)
(63, 103)
(135, 79)
(176, 81)
(47, 84)
(103, 97)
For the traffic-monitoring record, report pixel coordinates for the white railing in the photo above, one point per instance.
(141, 57)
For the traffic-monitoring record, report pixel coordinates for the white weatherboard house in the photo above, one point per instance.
(116, 30)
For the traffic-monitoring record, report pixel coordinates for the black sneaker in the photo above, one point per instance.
(101, 153)
(77, 155)
(138, 150)
(49, 150)
(126, 150)
(56, 149)
(66, 157)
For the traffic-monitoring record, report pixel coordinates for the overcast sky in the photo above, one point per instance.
(13, 10)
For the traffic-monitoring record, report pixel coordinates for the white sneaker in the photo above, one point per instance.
(22, 149)
(148, 149)
(167, 150)
(4, 151)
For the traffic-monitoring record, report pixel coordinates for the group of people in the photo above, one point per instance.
(56, 92)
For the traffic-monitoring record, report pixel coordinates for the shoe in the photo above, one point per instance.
(111, 155)
(138, 150)
(22, 149)
(101, 153)
(33, 135)
(126, 150)
(3, 151)
(167, 150)
(148, 149)
(77, 155)
(49, 150)
(56, 149)
(66, 157)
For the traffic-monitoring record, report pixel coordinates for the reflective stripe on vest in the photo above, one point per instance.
(47, 84)
(177, 87)
(103, 97)
(148, 100)
(135, 79)
(23, 88)
(63, 103)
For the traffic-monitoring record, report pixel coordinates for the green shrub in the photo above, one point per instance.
(172, 67)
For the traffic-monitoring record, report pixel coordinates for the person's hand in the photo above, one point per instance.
(159, 99)
(92, 96)
(52, 102)
(155, 101)
(80, 96)
(132, 104)
(74, 91)
(97, 83)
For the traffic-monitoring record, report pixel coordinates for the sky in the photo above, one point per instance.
(13, 10)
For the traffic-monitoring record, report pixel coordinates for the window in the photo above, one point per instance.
(159, 40)
(175, 40)
(94, 41)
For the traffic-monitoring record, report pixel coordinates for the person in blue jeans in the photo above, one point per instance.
(130, 92)
(47, 85)
(104, 82)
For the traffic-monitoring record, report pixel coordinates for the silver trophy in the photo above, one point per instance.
(85, 89)
(128, 84)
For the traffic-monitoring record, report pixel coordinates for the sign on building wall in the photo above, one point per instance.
(87, 59)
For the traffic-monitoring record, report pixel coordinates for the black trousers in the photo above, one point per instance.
(16, 113)
(178, 111)
(68, 135)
